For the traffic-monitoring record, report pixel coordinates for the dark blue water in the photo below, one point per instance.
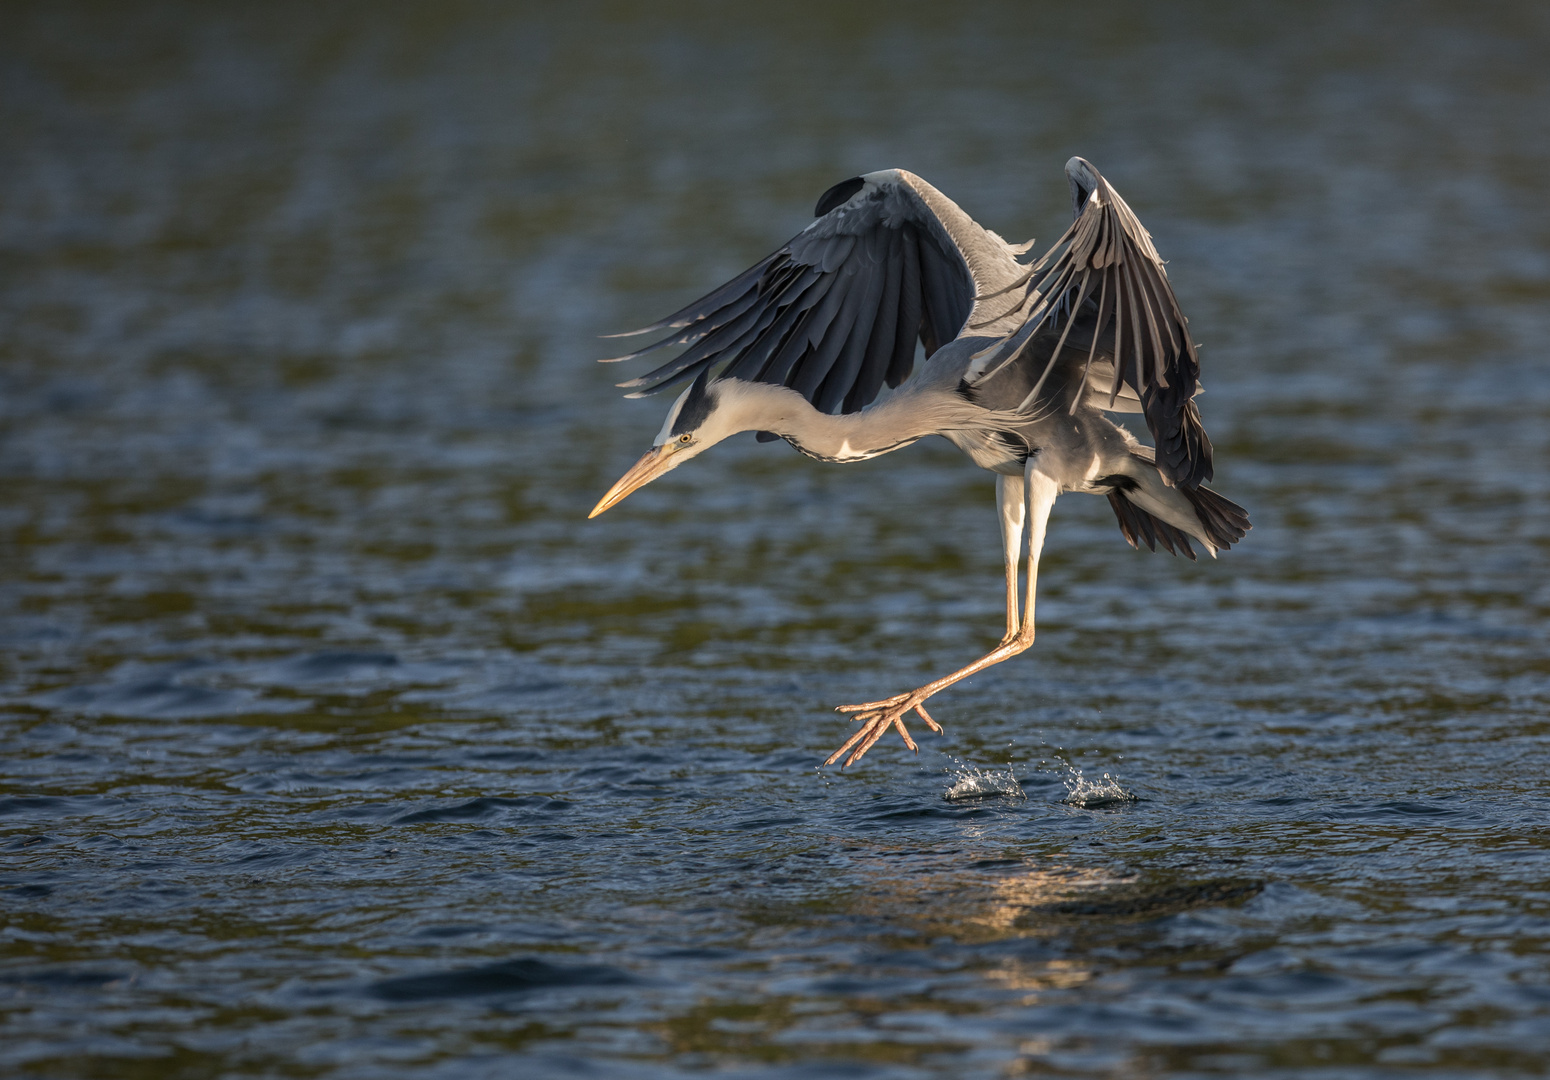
(336, 742)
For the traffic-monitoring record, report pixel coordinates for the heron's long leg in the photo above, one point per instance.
(1011, 502)
(878, 716)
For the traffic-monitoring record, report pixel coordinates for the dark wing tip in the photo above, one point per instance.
(1082, 171)
(838, 195)
(1084, 179)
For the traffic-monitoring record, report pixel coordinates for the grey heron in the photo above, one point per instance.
(1022, 361)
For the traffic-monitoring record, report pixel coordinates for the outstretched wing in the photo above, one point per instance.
(836, 312)
(1105, 278)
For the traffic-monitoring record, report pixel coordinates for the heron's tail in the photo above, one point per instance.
(1140, 528)
(1151, 512)
(1225, 521)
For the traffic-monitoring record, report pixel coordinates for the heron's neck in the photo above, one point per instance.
(877, 429)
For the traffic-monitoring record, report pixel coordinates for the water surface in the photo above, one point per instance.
(338, 744)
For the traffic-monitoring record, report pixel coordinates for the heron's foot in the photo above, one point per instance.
(873, 706)
(876, 718)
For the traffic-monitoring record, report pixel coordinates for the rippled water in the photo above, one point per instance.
(337, 743)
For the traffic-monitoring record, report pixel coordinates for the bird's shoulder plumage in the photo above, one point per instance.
(835, 313)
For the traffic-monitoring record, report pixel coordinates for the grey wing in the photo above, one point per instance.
(835, 313)
(1105, 280)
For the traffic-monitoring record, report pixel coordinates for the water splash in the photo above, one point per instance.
(1090, 794)
(969, 783)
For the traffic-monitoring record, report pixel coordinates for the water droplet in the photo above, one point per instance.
(1090, 794)
(969, 783)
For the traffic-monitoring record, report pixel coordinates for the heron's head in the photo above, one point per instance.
(700, 418)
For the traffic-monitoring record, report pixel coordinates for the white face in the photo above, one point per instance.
(672, 417)
(720, 423)
(677, 450)
(668, 451)
(731, 406)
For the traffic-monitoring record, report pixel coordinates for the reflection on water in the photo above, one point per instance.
(338, 743)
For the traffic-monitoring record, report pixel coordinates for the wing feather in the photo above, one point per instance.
(712, 342)
(808, 286)
(945, 313)
(885, 328)
(783, 366)
(907, 328)
(842, 377)
(836, 312)
(1136, 320)
(699, 328)
(827, 347)
(754, 360)
(710, 302)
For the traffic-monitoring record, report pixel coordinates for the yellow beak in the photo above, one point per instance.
(652, 464)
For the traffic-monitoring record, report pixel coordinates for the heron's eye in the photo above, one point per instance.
(685, 439)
